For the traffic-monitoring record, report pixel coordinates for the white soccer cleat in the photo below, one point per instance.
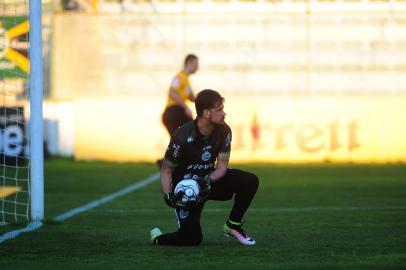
(154, 233)
(239, 234)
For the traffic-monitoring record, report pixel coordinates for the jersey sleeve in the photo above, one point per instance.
(178, 83)
(175, 82)
(226, 146)
(174, 150)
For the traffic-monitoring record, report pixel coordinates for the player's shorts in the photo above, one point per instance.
(173, 117)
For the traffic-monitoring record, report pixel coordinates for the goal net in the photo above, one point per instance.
(16, 112)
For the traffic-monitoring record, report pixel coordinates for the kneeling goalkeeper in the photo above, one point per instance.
(192, 154)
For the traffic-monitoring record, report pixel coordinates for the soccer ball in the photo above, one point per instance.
(188, 190)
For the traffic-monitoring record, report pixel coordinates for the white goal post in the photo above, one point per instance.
(36, 119)
(21, 120)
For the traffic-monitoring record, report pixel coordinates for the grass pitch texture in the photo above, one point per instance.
(303, 217)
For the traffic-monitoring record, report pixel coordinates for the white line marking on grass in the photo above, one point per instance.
(32, 226)
(107, 198)
(36, 225)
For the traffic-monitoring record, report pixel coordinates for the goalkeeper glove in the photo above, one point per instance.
(174, 201)
(206, 186)
(169, 199)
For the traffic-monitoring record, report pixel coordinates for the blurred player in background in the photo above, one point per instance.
(200, 150)
(177, 112)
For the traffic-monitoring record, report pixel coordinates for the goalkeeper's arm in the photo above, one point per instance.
(166, 183)
(166, 176)
(219, 172)
(222, 166)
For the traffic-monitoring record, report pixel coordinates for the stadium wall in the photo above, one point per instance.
(296, 91)
(264, 129)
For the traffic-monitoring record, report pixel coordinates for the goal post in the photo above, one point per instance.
(21, 120)
(36, 119)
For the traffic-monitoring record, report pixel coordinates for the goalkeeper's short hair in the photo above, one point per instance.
(207, 99)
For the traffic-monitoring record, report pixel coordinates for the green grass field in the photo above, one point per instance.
(304, 217)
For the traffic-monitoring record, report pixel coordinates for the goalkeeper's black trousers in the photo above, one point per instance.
(240, 184)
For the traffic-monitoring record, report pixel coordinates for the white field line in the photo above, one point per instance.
(36, 225)
(269, 210)
(107, 198)
(32, 226)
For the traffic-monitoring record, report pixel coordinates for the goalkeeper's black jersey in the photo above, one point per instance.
(194, 154)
